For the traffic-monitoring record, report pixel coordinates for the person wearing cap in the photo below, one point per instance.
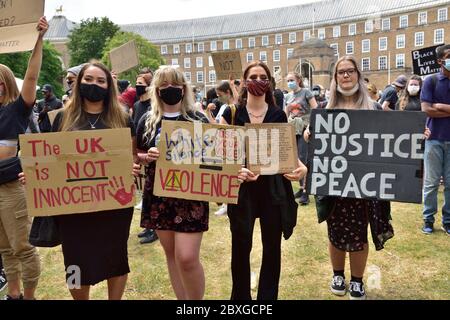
(389, 97)
(319, 93)
(49, 103)
(71, 78)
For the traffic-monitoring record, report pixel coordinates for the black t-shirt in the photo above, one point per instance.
(92, 120)
(140, 108)
(414, 104)
(14, 119)
(279, 98)
(144, 144)
(274, 115)
(53, 104)
(390, 95)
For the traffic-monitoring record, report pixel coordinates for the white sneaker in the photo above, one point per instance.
(222, 210)
(139, 206)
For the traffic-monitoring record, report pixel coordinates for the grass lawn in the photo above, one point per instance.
(413, 266)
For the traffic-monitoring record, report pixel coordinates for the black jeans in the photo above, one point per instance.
(241, 224)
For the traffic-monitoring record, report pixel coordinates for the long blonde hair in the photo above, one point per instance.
(74, 116)
(11, 89)
(174, 77)
(363, 100)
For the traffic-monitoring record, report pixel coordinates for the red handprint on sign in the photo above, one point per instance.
(119, 193)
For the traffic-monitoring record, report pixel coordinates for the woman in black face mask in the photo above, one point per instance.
(96, 243)
(179, 223)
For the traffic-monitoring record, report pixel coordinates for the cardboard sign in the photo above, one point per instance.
(227, 63)
(78, 172)
(18, 21)
(271, 148)
(124, 57)
(425, 61)
(199, 161)
(366, 154)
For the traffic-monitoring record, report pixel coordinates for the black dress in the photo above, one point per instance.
(169, 214)
(96, 243)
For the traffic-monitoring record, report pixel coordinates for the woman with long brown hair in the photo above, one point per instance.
(269, 198)
(410, 98)
(96, 242)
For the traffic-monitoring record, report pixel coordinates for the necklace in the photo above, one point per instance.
(262, 115)
(93, 124)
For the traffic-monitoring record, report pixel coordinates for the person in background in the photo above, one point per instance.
(44, 106)
(299, 104)
(373, 94)
(278, 95)
(410, 98)
(319, 93)
(71, 78)
(389, 97)
(127, 95)
(211, 97)
(435, 98)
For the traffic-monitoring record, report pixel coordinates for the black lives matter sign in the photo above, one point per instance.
(366, 154)
(425, 61)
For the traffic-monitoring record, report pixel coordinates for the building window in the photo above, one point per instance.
(350, 47)
(439, 36)
(226, 44)
(365, 64)
(199, 76)
(263, 56)
(200, 47)
(265, 41)
(276, 69)
(382, 63)
(335, 47)
(174, 62)
(442, 15)
(369, 26)
(276, 55)
(251, 42)
(199, 62)
(211, 61)
(422, 18)
(400, 60)
(290, 53)
(419, 39)
(213, 45)
(250, 56)
(321, 34)
(238, 43)
(212, 76)
(386, 24)
(401, 41)
(164, 50)
(403, 22)
(383, 43)
(176, 49)
(352, 29)
(187, 75)
(187, 63)
(279, 39)
(336, 31)
(292, 37)
(188, 47)
(306, 35)
(366, 45)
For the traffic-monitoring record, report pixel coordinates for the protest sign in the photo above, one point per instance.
(77, 172)
(227, 63)
(18, 22)
(124, 57)
(366, 154)
(271, 148)
(199, 161)
(425, 61)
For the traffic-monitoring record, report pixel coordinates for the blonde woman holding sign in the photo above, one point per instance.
(179, 223)
(15, 110)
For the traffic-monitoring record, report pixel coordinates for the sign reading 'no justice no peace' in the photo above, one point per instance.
(78, 172)
(18, 22)
(366, 154)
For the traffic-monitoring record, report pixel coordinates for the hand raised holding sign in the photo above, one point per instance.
(42, 27)
(119, 193)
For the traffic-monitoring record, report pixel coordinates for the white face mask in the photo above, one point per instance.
(348, 93)
(413, 90)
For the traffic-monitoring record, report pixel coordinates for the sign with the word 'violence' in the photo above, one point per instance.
(366, 154)
(199, 161)
(78, 172)
(227, 63)
(425, 61)
(18, 22)
(124, 57)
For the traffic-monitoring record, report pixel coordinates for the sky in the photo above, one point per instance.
(141, 11)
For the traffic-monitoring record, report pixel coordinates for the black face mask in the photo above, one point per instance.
(141, 90)
(171, 95)
(93, 92)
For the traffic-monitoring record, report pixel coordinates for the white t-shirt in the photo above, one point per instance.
(221, 111)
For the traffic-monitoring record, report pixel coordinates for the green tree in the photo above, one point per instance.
(88, 40)
(51, 71)
(148, 53)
